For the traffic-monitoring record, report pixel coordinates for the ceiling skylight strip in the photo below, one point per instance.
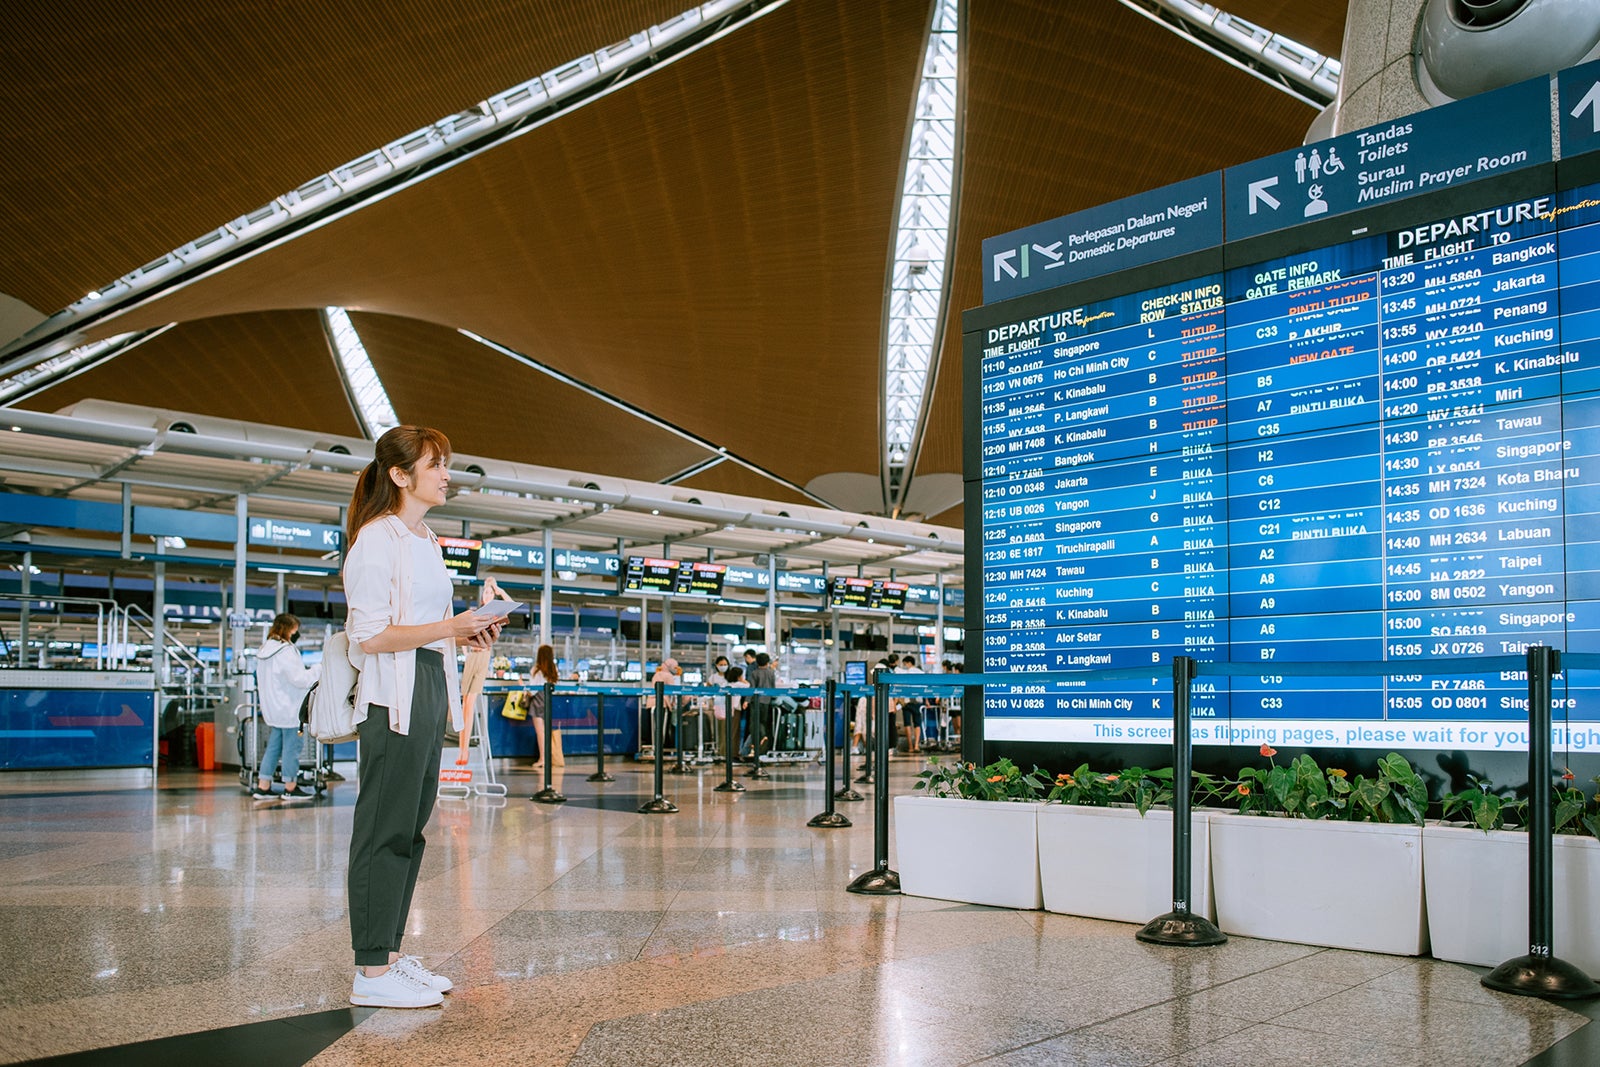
(1281, 62)
(917, 292)
(395, 166)
(41, 376)
(368, 398)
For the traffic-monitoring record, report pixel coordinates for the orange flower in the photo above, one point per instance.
(1568, 775)
(997, 778)
(1337, 773)
(1268, 751)
(1112, 777)
(1244, 790)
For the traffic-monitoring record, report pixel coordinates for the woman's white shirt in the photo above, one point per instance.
(282, 679)
(389, 580)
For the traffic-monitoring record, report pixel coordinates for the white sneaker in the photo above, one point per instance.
(394, 988)
(413, 966)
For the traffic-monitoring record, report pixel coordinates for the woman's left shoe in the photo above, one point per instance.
(412, 966)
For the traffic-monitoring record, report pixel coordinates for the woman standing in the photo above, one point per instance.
(403, 639)
(282, 680)
(544, 670)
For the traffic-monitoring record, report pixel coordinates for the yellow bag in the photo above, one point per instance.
(516, 706)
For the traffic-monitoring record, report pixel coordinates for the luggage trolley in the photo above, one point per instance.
(797, 724)
(253, 745)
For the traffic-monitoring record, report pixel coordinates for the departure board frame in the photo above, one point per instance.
(1226, 420)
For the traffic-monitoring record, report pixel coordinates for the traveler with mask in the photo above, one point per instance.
(282, 680)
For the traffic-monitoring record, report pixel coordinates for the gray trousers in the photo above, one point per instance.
(399, 781)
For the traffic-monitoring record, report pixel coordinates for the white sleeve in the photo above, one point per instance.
(369, 588)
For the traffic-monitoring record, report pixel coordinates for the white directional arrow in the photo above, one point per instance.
(1259, 194)
(1591, 100)
(1002, 262)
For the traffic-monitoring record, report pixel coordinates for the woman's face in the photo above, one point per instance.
(428, 480)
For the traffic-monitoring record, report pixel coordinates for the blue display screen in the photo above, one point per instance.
(1383, 450)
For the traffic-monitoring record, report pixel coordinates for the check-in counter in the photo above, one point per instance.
(572, 714)
(71, 720)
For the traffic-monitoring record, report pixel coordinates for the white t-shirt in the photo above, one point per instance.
(431, 591)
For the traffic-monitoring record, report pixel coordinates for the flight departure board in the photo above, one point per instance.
(1385, 447)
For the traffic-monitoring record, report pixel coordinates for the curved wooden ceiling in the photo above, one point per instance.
(708, 244)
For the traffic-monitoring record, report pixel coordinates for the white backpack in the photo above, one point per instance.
(333, 701)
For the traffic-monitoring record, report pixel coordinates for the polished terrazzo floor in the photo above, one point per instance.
(588, 934)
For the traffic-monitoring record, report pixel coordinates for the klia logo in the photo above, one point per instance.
(1015, 261)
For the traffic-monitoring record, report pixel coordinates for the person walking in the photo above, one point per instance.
(403, 639)
(282, 680)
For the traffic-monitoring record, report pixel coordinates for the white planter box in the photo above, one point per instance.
(1108, 863)
(1477, 888)
(1318, 882)
(978, 851)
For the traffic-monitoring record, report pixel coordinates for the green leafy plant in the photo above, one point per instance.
(1572, 810)
(1142, 788)
(1484, 810)
(1000, 780)
(1302, 789)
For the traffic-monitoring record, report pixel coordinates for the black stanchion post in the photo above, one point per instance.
(549, 794)
(847, 791)
(1540, 973)
(1180, 926)
(757, 722)
(829, 819)
(678, 765)
(871, 735)
(730, 746)
(659, 804)
(600, 774)
(880, 881)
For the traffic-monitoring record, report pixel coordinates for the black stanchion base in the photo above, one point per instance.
(728, 787)
(659, 806)
(1181, 928)
(1541, 976)
(829, 820)
(601, 776)
(876, 883)
(848, 794)
(548, 796)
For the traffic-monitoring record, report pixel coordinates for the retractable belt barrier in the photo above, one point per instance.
(1540, 973)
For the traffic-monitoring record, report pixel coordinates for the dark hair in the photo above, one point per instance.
(762, 659)
(282, 626)
(375, 494)
(719, 659)
(733, 674)
(749, 653)
(544, 661)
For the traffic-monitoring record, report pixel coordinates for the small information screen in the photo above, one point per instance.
(461, 556)
(673, 577)
(870, 594)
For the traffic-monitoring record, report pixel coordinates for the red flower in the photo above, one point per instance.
(1244, 790)
(1268, 751)
(1567, 775)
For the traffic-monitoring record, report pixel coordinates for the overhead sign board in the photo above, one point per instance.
(1420, 153)
(1166, 222)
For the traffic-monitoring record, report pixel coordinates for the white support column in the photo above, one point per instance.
(548, 540)
(241, 548)
(158, 616)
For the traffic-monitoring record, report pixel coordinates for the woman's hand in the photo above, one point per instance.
(485, 638)
(466, 626)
